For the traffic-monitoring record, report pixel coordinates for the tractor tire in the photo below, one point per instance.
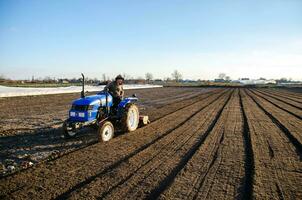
(130, 118)
(68, 134)
(106, 131)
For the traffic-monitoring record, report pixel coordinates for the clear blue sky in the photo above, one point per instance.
(61, 38)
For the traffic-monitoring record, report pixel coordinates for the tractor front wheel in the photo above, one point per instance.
(106, 131)
(130, 118)
(68, 133)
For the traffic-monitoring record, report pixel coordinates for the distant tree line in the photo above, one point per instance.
(105, 79)
(176, 76)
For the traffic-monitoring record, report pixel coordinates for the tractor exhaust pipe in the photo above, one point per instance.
(83, 86)
(107, 107)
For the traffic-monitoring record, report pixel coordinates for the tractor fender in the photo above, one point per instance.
(123, 104)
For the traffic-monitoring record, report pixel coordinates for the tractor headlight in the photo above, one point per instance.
(72, 114)
(81, 114)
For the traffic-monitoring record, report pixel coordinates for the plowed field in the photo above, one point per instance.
(201, 144)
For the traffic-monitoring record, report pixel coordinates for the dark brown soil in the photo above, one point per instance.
(201, 144)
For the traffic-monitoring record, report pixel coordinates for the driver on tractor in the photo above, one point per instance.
(115, 88)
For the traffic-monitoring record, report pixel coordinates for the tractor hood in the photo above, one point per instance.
(99, 99)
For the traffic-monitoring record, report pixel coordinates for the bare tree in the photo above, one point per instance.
(104, 77)
(95, 80)
(167, 79)
(228, 78)
(149, 77)
(176, 75)
(2, 77)
(222, 76)
(126, 76)
(47, 79)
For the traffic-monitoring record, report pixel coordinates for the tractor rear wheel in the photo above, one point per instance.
(130, 118)
(106, 131)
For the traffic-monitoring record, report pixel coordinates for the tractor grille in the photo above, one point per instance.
(82, 107)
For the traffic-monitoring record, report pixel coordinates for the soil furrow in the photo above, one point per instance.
(208, 170)
(129, 156)
(295, 103)
(161, 102)
(247, 191)
(204, 176)
(164, 184)
(281, 197)
(271, 151)
(271, 172)
(285, 94)
(164, 148)
(293, 111)
(100, 163)
(294, 140)
(204, 96)
(201, 144)
(216, 182)
(37, 112)
(11, 142)
(174, 108)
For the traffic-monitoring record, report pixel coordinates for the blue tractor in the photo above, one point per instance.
(98, 111)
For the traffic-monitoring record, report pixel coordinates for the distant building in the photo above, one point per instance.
(135, 81)
(219, 80)
(188, 81)
(271, 81)
(63, 81)
(261, 81)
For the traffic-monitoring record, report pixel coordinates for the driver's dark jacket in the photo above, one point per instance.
(116, 90)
